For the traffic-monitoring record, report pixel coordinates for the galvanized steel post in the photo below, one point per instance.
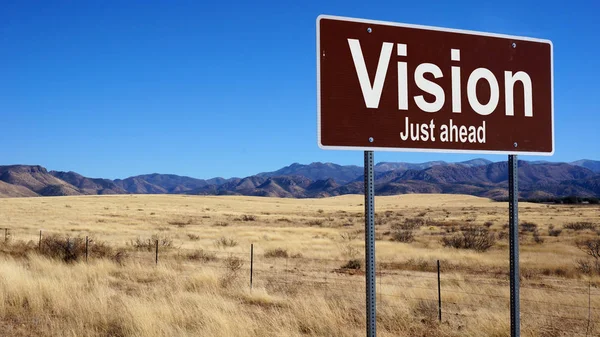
(513, 221)
(370, 245)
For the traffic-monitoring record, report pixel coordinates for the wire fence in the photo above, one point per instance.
(566, 306)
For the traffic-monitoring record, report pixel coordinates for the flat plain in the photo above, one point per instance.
(307, 266)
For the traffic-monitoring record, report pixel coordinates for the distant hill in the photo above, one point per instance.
(319, 171)
(160, 183)
(10, 190)
(478, 177)
(593, 165)
(36, 179)
(384, 167)
(89, 185)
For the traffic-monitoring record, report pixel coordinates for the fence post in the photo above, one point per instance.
(5, 234)
(40, 242)
(86, 249)
(157, 252)
(587, 330)
(439, 292)
(251, 263)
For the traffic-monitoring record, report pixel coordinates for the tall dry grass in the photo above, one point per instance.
(201, 288)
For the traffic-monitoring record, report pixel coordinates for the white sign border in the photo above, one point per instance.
(449, 30)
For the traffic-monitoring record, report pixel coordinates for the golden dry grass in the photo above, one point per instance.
(197, 291)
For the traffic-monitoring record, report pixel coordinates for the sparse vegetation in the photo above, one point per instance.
(426, 310)
(246, 217)
(554, 232)
(179, 224)
(315, 222)
(64, 248)
(528, 227)
(224, 242)
(590, 247)
(580, 225)
(149, 244)
(471, 237)
(221, 224)
(232, 265)
(405, 236)
(537, 238)
(276, 253)
(349, 236)
(352, 264)
(201, 255)
(409, 224)
(193, 237)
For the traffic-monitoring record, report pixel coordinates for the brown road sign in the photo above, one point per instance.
(397, 87)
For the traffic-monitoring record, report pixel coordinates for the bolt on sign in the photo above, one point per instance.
(398, 87)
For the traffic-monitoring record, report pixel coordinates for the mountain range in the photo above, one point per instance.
(480, 177)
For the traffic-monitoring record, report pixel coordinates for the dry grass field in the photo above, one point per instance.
(308, 275)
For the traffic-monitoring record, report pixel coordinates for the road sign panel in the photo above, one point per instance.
(398, 87)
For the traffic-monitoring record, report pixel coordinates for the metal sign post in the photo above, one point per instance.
(513, 221)
(370, 244)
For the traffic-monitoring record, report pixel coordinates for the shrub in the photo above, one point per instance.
(201, 255)
(233, 264)
(590, 247)
(315, 223)
(277, 253)
(427, 309)
(221, 224)
(349, 251)
(537, 238)
(224, 242)
(488, 224)
(471, 237)
(528, 227)
(404, 236)
(587, 266)
(120, 256)
(349, 236)
(165, 241)
(554, 232)
(432, 222)
(352, 264)
(193, 237)
(581, 225)
(410, 224)
(179, 224)
(18, 249)
(71, 249)
(248, 217)
(142, 244)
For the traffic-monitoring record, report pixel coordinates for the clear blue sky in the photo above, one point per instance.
(216, 88)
